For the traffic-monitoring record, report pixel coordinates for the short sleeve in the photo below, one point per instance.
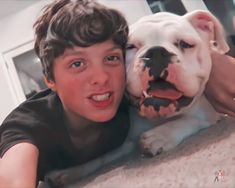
(18, 127)
(12, 136)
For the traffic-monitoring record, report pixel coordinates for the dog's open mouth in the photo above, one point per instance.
(162, 94)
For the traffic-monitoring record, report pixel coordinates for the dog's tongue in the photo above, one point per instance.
(171, 94)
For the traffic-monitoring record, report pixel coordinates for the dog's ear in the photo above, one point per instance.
(206, 22)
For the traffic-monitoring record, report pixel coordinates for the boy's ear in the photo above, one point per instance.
(50, 84)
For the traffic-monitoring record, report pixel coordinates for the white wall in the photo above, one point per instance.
(132, 9)
(191, 5)
(17, 30)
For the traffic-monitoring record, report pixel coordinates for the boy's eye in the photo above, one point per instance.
(77, 64)
(113, 58)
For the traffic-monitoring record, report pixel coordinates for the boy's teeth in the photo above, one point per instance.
(101, 97)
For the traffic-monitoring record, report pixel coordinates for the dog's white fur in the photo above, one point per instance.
(190, 76)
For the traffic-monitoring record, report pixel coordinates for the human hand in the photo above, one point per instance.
(220, 89)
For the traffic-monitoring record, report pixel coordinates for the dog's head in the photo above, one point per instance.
(168, 60)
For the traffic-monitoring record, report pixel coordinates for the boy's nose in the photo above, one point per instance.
(99, 76)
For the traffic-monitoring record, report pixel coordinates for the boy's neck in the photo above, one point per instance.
(83, 133)
(77, 123)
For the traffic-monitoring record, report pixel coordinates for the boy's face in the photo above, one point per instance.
(90, 81)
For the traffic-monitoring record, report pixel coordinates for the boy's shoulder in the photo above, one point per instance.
(43, 107)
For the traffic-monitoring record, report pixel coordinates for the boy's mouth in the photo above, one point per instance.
(102, 100)
(101, 97)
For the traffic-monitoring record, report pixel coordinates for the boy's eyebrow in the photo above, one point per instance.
(79, 51)
(114, 48)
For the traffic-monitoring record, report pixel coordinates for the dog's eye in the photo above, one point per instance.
(130, 46)
(183, 45)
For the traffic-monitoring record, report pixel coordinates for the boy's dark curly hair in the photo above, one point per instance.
(68, 23)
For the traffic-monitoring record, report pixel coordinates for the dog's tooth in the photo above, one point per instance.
(146, 95)
(162, 74)
(145, 58)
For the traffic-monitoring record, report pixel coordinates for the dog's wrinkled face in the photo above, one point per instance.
(168, 63)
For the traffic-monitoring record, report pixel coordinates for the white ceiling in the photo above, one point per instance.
(8, 7)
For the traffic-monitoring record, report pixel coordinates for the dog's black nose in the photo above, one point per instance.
(157, 59)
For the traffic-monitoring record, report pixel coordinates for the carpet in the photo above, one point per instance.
(204, 160)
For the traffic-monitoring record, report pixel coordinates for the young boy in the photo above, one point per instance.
(83, 114)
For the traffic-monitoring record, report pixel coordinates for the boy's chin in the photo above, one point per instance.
(103, 117)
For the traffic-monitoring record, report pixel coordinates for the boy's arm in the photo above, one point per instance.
(18, 166)
(71, 176)
(220, 89)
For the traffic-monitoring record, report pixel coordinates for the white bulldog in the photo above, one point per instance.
(168, 65)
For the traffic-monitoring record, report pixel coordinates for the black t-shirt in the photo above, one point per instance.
(40, 121)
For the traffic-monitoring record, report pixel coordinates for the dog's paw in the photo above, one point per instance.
(156, 141)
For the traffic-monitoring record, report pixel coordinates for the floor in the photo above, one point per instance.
(205, 160)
